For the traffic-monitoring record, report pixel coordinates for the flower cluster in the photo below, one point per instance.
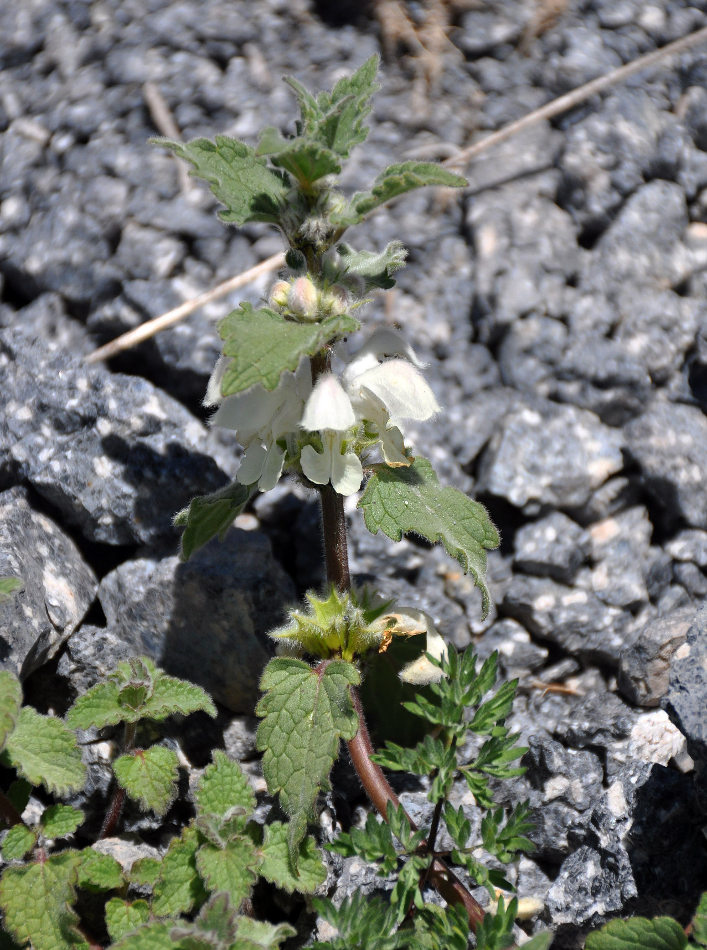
(322, 430)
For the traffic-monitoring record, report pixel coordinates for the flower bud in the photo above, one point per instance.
(336, 300)
(303, 298)
(278, 294)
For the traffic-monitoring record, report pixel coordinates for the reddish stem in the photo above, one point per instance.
(115, 809)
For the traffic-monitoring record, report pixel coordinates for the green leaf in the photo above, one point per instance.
(36, 901)
(699, 922)
(441, 928)
(229, 869)
(58, 821)
(277, 868)
(638, 933)
(214, 928)
(376, 270)
(8, 586)
(122, 917)
(259, 935)
(99, 872)
(211, 515)
(238, 178)
(496, 930)
(223, 786)
(99, 706)
(18, 841)
(373, 842)
(178, 887)
(411, 500)
(44, 751)
(362, 921)
(394, 181)
(540, 941)
(305, 714)
(10, 703)
(307, 161)
(144, 872)
(149, 776)
(154, 935)
(263, 345)
(171, 696)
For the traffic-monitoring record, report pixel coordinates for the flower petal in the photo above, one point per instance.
(316, 465)
(251, 467)
(272, 468)
(402, 390)
(346, 473)
(328, 407)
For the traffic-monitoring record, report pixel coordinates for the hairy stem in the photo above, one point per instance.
(115, 809)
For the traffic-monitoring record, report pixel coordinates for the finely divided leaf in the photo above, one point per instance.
(305, 714)
(230, 869)
(276, 866)
(44, 751)
(149, 776)
(211, 515)
(18, 841)
(10, 703)
(36, 902)
(238, 178)
(223, 786)
(122, 917)
(178, 887)
(639, 933)
(263, 345)
(60, 820)
(540, 941)
(411, 500)
(394, 181)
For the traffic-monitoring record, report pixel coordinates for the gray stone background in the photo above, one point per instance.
(559, 302)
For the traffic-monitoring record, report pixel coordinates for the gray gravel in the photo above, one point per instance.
(559, 303)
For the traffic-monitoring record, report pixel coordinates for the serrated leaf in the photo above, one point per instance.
(10, 703)
(305, 714)
(122, 917)
(171, 696)
(394, 181)
(210, 515)
(154, 935)
(699, 922)
(60, 820)
(178, 887)
(229, 869)
(306, 160)
(223, 786)
(638, 933)
(264, 345)
(375, 269)
(411, 500)
(99, 872)
(238, 178)
(36, 902)
(214, 927)
(149, 776)
(99, 706)
(18, 842)
(44, 751)
(144, 872)
(276, 866)
(8, 586)
(260, 935)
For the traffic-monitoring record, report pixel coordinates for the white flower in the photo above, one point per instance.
(262, 419)
(329, 411)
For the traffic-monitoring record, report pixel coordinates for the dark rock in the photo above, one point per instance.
(596, 720)
(554, 546)
(567, 776)
(516, 651)
(58, 585)
(590, 886)
(205, 620)
(644, 668)
(546, 454)
(686, 700)
(621, 551)
(669, 442)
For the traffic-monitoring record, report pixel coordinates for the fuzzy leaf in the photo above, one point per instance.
(99, 872)
(638, 933)
(154, 935)
(44, 751)
(411, 500)
(10, 703)
(210, 515)
(238, 178)
(61, 820)
(375, 269)
(8, 586)
(171, 696)
(229, 869)
(276, 866)
(122, 917)
(223, 786)
(699, 922)
(305, 715)
(214, 927)
(394, 181)
(260, 935)
(263, 345)
(99, 706)
(144, 872)
(18, 841)
(36, 901)
(178, 887)
(149, 776)
(307, 161)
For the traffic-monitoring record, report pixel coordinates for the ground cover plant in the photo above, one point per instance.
(301, 407)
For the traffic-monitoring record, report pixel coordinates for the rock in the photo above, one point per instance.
(58, 585)
(621, 551)
(669, 442)
(590, 886)
(554, 546)
(686, 699)
(567, 776)
(644, 668)
(595, 721)
(206, 620)
(517, 653)
(545, 454)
